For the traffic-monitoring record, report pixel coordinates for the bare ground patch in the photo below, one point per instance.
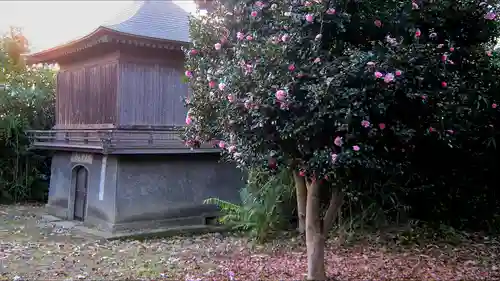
(33, 249)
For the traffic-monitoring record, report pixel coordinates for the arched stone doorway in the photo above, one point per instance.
(80, 187)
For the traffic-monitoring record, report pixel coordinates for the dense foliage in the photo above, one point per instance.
(26, 102)
(301, 84)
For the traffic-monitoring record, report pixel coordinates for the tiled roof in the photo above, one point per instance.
(159, 19)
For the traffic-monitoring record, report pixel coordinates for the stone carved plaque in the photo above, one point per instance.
(84, 158)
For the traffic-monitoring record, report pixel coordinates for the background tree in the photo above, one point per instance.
(26, 102)
(338, 89)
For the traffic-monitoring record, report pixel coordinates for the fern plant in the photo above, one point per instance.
(267, 203)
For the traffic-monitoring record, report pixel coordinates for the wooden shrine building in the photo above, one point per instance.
(119, 163)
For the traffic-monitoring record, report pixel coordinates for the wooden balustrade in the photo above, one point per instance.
(114, 141)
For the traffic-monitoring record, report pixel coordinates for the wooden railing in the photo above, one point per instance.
(110, 140)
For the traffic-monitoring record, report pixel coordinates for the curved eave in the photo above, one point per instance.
(146, 38)
(99, 36)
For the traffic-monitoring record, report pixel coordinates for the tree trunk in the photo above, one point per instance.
(333, 210)
(315, 239)
(301, 191)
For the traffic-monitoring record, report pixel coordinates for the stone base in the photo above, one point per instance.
(137, 193)
(134, 228)
(141, 234)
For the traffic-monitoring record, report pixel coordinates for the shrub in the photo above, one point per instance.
(267, 204)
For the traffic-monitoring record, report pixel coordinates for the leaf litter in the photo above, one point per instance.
(33, 249)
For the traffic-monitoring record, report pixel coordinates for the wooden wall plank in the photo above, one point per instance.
(151, 94)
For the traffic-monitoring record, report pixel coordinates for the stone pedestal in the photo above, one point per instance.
(142, 192)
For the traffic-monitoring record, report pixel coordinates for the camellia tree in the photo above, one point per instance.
(330, 89)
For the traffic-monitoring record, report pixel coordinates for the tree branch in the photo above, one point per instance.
(336, 201)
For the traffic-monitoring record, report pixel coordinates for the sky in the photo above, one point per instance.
(49, 23)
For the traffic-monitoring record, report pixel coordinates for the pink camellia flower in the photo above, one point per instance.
(272, 163)
(317, 60)
(331, 11)
(248, 104)
(452, 49)
(254, 14)
(309, 17)
(291, 67)
(193, 52)
(444, 84)
(377, 23)
(240, 35)
(489, 54)
(444, 57)
(414, 5)
(355, 148)
(259, 4)
(418, 33)
(302, 173)
(378, 74)
(230, 98)
(389, 77)
(188, 73)
(307, 4)
(218, 46)
(365, 123)
(248, 69)
(490, 16)
(494, 106)
(338, 141)
(249, 37)
(285, 38)
(212, 84)
(222, 144)
(281, 95)
(334, 157)
(284, 105)
(398, 72)
(189, 120)
(222, 86)
(231, 149)
(431, 130)
(381, 126)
